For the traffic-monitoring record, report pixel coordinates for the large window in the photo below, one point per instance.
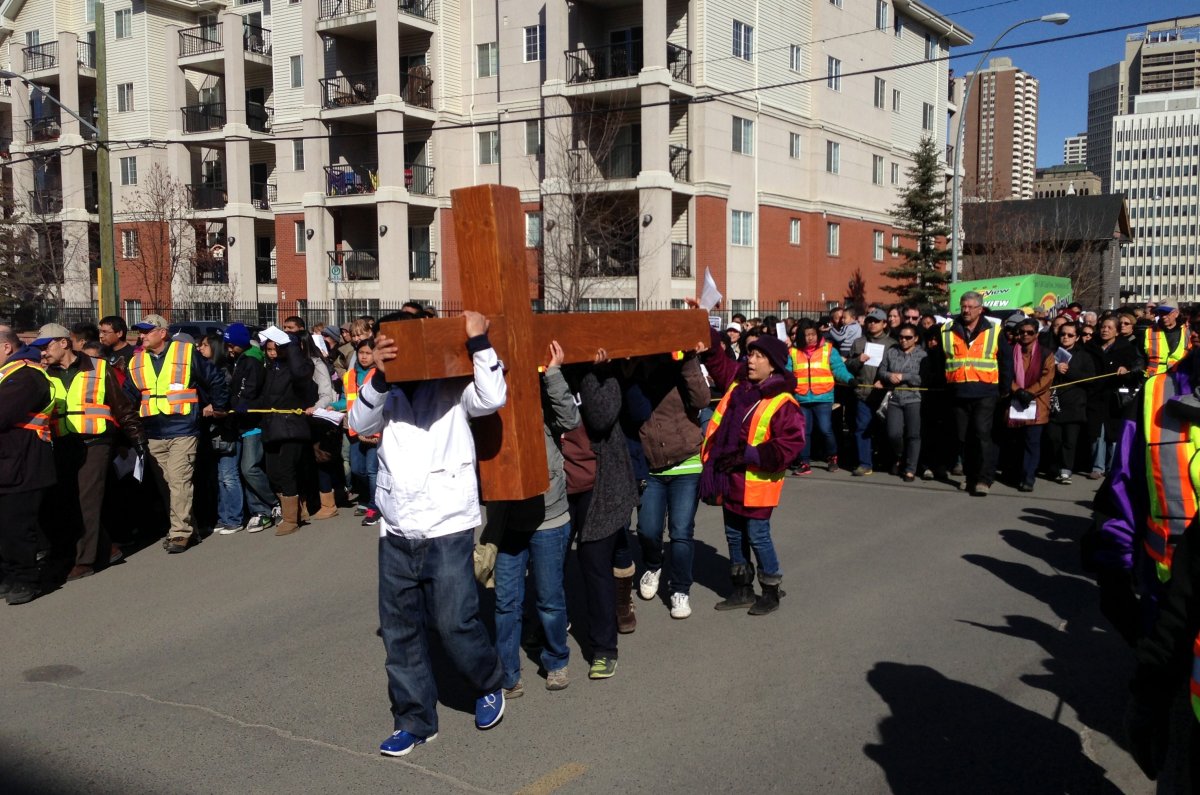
(895, 173)
(878, 250)
(128, 170)
(833, 239)
(743, 41)
(296, 65)
(489, 59)
(794, 231)
(926, 116)
(881, 15)
(297, 155)
(129, 243)
(301, 235)
(534, 138)
(880, 92)
(895, 100)
(489, 148)
(833, 157)
(794, 146)
(876, 169)
(797, 58)
(533, 230)
(535, 43)
(930, 47)
(124, 97)
(122, 23)
(743, 136)
(833, 78)
(741, 228)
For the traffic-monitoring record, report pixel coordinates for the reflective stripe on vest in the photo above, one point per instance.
(38, 422)
(158, 397)
(80, 407)
(1194, 685)
(762, 488)
(977, 362)
(1159, 358)
(1172, 472)
(813, 375)
(350, 388)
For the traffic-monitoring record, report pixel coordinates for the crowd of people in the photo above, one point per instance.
(240, 432)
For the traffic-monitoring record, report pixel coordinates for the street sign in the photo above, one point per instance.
(335, 273)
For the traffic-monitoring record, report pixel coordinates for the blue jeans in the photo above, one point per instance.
(864, 415)
(229, 488)
(259, 497)
(820, 417)
(1102, 452)
(673, 497)
(744, 534)
(431, 582)
(544, 552)
(364, 466)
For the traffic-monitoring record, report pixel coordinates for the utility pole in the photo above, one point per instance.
(110, 301)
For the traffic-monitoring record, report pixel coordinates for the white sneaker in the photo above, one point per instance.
(258, 523)
(228, 530)
(680, 608)
(648, 586)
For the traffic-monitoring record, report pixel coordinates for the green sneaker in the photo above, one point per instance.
(603, 668)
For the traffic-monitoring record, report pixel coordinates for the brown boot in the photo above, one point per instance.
(304, 515)
(289, 522)
(328, 506)
(626, 616)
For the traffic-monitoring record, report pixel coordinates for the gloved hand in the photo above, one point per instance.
(728, 462)
(141, 448)
(1147, 730)
(1023, 397)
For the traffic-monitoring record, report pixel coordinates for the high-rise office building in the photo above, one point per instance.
(1075, 149)
(1000, 137)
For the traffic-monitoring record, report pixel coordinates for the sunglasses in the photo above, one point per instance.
(912, 318)
(1067, 335)
(907, 337)
(1027, 332)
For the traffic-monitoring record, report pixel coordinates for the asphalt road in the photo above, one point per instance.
(929, 642)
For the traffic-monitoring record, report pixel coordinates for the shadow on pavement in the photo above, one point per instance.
(945, 736)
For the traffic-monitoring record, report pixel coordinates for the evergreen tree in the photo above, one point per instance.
(921, 214)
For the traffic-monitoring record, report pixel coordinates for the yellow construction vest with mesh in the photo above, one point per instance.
(762, 488)
(38, 422)
(167, 391)
(80, 407)
(974, 363)
(813, 373)
(1159, 355)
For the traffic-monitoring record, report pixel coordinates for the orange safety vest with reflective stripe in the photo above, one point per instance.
(762, 488)
(38, 422)
(168, 390)
(1172, 473)
(1159, 356)
(80, 407)
(350, 388)
(814, 374)
(975, 363)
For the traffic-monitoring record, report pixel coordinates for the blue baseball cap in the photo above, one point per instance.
(237, 334)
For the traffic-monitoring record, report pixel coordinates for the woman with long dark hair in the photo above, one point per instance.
(288, 389)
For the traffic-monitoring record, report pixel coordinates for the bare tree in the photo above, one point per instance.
(35, 248)
(165, 249)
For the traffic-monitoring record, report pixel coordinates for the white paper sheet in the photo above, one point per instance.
(1062, 355)
(274, 334)
(329, 416)
(1027, 413)
(319, 341)
(781, 331)
(139, 468)
(710, 296)
(874, 352)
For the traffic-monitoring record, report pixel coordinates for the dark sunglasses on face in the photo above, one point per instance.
(1067, 335)
(1027, 332)
(907, 337)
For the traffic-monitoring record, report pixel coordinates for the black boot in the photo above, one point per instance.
(743, 588)
(768, 602)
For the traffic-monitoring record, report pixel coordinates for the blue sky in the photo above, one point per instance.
(1061, 67)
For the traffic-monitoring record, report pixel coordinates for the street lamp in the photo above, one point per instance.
(956, 190)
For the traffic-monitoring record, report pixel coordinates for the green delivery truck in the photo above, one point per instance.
(1030, 292)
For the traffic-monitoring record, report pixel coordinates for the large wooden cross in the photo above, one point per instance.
(491, 245)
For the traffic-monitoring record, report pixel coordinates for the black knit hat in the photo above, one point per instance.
(775, 349)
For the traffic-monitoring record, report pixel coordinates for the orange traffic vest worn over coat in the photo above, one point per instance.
(168, 391)
(814, 373)
(975, 363)
(350, 389)
(762, 488)
(38, 422)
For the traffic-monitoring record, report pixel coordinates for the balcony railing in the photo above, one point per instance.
(47, 128)
(679, 61)
(351, 89)
(45, 202)
(422, 265)
(623, 161)
(255, 39)
(200, 40)
(265, 271)
(86, 54)
(347, 179)
(207, 196)
(259, 117)
(41, 56)
(588, 64)
(359, 265)
(418, 179)
(416, 87)
(681, 261)
(607, 262)
(210, 270)
(681, 159)
(203, 118)
(263, 195)
(328, 9)
(417, 8)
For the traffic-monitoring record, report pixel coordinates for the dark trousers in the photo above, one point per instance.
(973, 424)
(430, 584)
(78, 499)
(284, 460)
(904, 432)
(1030, 439)
(21, 536)
(596, 562)
(1063, 438)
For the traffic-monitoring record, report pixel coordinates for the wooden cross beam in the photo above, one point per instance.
(490, 235)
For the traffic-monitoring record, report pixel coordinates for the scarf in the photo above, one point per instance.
(714, 485)
(1026, 379)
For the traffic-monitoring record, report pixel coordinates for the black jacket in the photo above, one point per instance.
(1073, 400)
(287, 384)
(1116, 405)
(245, 385)
(26, 462)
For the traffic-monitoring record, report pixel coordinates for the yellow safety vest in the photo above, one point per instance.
(168, 391)
(975, 363)
(38, 422)
(813, 373)
(762, 488)
(80, 407)
(1159, 358)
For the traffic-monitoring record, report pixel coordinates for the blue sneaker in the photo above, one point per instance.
(401, 743)
(489, 709)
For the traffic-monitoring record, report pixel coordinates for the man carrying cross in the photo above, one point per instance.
(428, 499)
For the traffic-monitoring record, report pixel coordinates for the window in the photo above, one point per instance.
(833, 157)
(897, 26)
(895, 173)
(895, 100)
(926, 116)
(836, 3)
(489, 148)
(794, 231)
(880, 92)
(930, 47)
(533, 230)
(124, 97)
(794, 145)
(123, 23)
(489, 59)
(534, 138)
(296, 64)
(298, 155)
(535, 43)
(743, 41)
(876, 169)
(89, 11)
(301, 235)
(128, 170)
(833, 239)
(797, 58)
(881, 15)
(129, 243)
(743, 136)
(133, 311)
(895, 246)
(742, 228)
(878, 246)
(834, 78)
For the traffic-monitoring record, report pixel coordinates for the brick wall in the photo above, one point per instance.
(291, 268)
(712, 238)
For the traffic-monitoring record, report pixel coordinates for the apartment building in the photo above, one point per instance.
(1000, 138)
(1156, 165)
(318, 141)
(1065, 180)
(1075, 149)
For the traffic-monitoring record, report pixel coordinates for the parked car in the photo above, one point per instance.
(197, 329)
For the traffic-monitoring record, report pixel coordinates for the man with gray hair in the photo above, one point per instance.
(972, 347)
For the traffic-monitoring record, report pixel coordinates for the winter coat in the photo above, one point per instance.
(245, 386)
(323, 378)
(615, 493)
(865, 375)
(677, 391)
(26, 462)
(427, 486)
(912, 366)
(843, 338)
(1073, 401)
(287, 384)
(1039, 388)
(1118, 405)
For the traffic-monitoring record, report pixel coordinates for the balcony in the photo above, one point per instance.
(259, 117)
(352, 89)
(265, 270)
(91, 201)
(681, 261)
(416, 87)
(200, 40)
(418, 179)
(47, 128)
(207, 196)
(45, 202)
(86, 54)
(203, 118)
(681, 163)
(328, 9)
(256, 40)
(417, 8)
(589, 64)
(347, 179)
(41, 56)
(263, 195)
(210, 270)
(359, 265)
(608, 261)
(623, 161)
(679, 61)
(422, 265)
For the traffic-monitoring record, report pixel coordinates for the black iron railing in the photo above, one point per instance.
(210, 271)
(259, 117)
(47, 128)
(255, 39)
(265, 271)
(207, 196)
(679, 61)
(607, 261)
(351, 179)
(359, 265)
(351, 89)
(417, 8)
(418, 179)
(200, 40)
(86, 54)
(203, 118)
(588, 64)
(681, 163)
(416, 88)
(263, 195)
(41, 56)
(422, 265)
(45, 202)
(328, 9)
(623, 161)
(681, 261)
